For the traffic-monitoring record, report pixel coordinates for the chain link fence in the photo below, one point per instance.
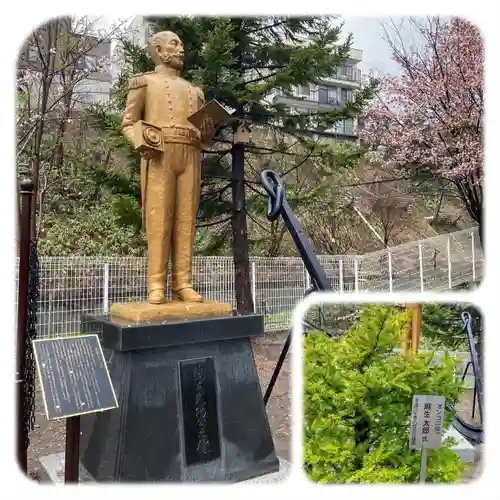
(71, 286)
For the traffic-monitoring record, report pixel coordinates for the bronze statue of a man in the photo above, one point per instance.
(171, 176)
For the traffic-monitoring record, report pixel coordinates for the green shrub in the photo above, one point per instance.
(357, 404)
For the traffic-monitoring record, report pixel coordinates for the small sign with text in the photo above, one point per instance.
(427, 417)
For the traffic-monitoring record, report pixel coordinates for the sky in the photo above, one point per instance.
(367, 36)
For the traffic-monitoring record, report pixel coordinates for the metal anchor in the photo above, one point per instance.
(278, 205)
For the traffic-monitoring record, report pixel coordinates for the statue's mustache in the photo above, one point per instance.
(166, 58)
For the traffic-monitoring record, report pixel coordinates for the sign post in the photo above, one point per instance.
(75, 381)
(72, 449)
(423, 465)
(426, 429)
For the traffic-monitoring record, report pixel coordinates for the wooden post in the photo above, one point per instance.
(22, 313)
(411, 338)
(72, 452)
(416, 327)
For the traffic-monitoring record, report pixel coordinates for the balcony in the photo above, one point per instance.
(342, 129)
(307, 102)
(347, 74)
(356, 55)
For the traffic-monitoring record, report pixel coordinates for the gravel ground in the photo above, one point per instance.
(49, 437)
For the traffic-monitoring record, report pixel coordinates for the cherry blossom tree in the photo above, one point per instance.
(430, 117)
(54, 66)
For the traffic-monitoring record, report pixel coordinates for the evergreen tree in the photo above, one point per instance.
(243, 62)
(442, 326)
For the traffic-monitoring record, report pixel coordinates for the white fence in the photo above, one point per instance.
(76, 285)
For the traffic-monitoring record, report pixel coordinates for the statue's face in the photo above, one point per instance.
(171, 51)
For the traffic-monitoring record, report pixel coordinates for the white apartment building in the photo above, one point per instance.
(138, 32)
(329, 93)
(93, 78)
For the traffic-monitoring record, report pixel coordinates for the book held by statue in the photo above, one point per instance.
(208, 117)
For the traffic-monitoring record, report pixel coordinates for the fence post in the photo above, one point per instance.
(448, 251)
(308, 279)
(27, 194)
(254, 290)
(421, 266)
(473, 257)
(341, 274)
(356, 282)
(105, 300)
(389, 262)
(49, 319)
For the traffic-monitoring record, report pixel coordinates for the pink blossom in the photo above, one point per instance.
(432, 114)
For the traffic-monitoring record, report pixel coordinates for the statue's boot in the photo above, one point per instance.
(156, 296)
(187, 199)
(159, 202)
(187, 295)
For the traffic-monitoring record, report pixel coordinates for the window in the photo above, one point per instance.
(323, 95)
(314, 93)
(344, 127)
(148, 32)
(32, 53)
(343, 95)
(349, 126)
(304, 91)
(332, 95)
(347, 72)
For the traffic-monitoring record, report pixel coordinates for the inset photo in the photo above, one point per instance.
(393, 393)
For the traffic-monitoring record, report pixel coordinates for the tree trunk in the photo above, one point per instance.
(471, 193)
(480, 223)
(47, 75)
(244, 302)
(18, 211)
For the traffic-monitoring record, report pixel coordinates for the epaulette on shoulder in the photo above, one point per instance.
(138, 80)
(199, 91)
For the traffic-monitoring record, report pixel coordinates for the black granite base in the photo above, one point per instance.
(191, 406)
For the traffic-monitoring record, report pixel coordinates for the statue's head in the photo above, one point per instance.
(167, 48)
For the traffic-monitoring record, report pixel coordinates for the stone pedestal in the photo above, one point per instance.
(136, 312)
(191, 406)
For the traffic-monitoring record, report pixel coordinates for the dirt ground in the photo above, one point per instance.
(49, 437)
(267, 350)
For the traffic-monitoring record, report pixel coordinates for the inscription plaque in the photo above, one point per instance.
(74, 376)
(199, 410)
